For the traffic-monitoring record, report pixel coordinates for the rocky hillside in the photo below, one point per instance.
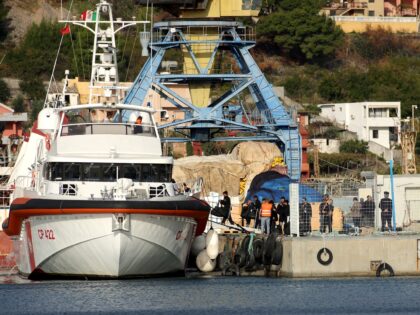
(23, 13)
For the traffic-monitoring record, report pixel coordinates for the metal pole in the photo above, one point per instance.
(391, 175)
(413, 108)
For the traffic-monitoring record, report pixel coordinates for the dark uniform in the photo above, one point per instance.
(305, 216)
(324, 216)
(226, 205)
(386, 214)
(369, 212)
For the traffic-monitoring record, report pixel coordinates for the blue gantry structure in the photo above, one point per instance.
(225, 118)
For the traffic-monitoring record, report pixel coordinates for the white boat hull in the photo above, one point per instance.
(101, 245)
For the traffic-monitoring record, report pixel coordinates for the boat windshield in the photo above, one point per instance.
(100, 172)
(88, 121)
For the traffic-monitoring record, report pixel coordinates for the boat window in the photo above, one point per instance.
(92, 172)
(95, 172)
(130, 171)
(100, 121)
(72, 171)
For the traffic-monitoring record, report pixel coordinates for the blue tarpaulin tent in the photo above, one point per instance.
(272, 185)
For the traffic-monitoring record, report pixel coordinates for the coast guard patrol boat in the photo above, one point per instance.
(92, 191)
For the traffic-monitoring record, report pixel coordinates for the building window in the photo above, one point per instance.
(375, 133)
(371, 13)
(393, 112)
(377, 112)
(371, 1)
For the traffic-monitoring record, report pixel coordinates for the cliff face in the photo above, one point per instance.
(25, 12)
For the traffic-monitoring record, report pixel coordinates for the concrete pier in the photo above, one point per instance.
(351, 256)
(338, 256)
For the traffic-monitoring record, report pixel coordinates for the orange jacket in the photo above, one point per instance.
(266, 210)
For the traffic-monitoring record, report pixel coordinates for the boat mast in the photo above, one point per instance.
(104, 85)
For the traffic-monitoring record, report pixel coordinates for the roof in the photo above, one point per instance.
(14, 117)
(7, 107)
(58, 89)
(369, 104)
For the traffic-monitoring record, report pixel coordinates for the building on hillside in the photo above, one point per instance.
(374, 122)
(357, 15)
(386, 8)
(328, 146)
(11, 128)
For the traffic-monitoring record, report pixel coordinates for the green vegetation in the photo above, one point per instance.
(354, 146)
(33, 89)
(296, 29)
(18, 104)
(4, 91)
(4, 21)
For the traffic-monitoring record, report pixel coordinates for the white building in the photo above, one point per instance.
(376, 122)
(406, 197)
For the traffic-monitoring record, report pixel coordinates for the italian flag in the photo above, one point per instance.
(88, 15)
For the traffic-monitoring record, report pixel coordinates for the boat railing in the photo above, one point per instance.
(27, 182)
(108, 128)
(5, 197)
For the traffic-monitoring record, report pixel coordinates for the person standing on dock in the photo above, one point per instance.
(324, 216)
(356, 215)
(330, 214)
(226, 206)
(305, 213)
(369, 211)
(257, 207)
(274, 216)
(283, 211)
(386, 211)
(247, 209)
(266, 208)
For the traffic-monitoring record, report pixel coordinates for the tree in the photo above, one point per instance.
(36, 107)
(354, 146)
(18, 104)
(4, 91)
(4, 20)
(33, 89)
(300, 32)
(36, 53)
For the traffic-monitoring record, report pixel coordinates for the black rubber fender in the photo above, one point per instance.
(231, 270)
(269, 246)
(258, 248)
(277, 255)
(240, 258)
(250, 262)
(382, 267)
(224, 259)
(245, 243)
(328, 253)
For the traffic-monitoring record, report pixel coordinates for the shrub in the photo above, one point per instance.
(18, 104)
(354, 146)
(4, 91)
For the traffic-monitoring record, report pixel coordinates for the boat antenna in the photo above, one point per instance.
(56, 59)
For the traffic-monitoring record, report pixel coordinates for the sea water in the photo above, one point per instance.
(212, 295)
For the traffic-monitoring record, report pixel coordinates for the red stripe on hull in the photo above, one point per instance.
(30, 245)
(16, 217)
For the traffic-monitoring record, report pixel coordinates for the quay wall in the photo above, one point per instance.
(352, 256)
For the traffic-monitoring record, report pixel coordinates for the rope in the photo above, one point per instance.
(74, 53)
(131, 56)
(56, 57)
(81, 55)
